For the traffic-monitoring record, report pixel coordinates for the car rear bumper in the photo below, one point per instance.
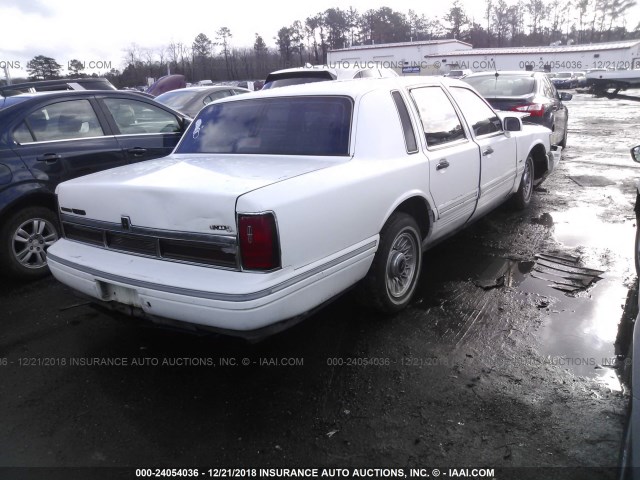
(221, 299)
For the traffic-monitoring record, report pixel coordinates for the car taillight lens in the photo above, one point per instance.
(533, 109)
(259, 246)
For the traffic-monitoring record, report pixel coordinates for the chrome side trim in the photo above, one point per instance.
(228, 297)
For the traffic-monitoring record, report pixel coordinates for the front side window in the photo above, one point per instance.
(439, 119)
(272, 126)
(61, 121)
(134, 117)
(482, 119)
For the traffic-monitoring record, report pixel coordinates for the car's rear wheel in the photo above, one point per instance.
(522, 198)
(25, 238)
(393, 276)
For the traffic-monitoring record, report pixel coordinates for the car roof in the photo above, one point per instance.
(339, 72)
(352, 87)
(36, 97)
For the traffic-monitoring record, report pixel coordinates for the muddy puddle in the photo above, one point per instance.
(580, 287)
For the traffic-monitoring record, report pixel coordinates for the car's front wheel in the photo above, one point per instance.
(25, 238)
(393, 276)
(522, 198)
(563, 143)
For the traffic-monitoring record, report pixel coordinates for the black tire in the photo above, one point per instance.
(393, 276)
(24, 239)
(522, 198)
(563, 143)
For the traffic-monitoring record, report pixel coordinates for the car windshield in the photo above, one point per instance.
(564, 75)
(502, 85)
(272, 126)
(176, 99)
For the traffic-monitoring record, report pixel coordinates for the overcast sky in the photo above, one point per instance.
(93, 31)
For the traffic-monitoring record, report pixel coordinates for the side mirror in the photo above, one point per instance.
(635, 153)
(186, 121)
(565, 97)
(512, 124)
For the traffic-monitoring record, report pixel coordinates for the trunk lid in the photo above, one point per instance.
(191, 193)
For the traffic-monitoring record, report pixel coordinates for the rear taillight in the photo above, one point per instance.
(533, 109)
(259, 246)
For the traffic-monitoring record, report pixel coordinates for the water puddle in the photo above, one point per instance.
(583, 327)
(580, 288)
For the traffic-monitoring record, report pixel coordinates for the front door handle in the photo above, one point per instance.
(49, 158)
(137, 151)
(442, 164)
(487, 151)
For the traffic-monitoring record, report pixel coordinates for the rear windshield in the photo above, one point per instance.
(272, 126)
(176, 99)
(502, 85)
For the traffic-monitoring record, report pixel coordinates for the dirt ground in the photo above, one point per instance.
(492, 366)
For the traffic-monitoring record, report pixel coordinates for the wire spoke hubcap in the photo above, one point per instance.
(31, 240)
(401, 265)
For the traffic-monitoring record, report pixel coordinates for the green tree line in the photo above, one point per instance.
(505, 23)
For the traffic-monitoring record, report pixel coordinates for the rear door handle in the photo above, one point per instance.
(442, 164)
(137, 151)
(487, 151)
(49, 158)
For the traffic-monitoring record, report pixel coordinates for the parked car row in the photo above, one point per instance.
(61, 135)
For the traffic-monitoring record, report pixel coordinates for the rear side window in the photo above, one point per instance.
(134, 117)
(64, 121)
(22, 134)
(407, 128)
(439, 119)
(272, 126)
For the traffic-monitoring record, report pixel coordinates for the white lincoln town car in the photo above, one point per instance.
(276, 202)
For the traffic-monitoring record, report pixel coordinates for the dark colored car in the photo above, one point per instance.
(528, 92)
(166, 84)
(47, 138)
(565, 80)
(191, 100)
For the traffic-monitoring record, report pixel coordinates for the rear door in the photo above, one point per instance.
(66, 139)
(143, 129)
(454, 160)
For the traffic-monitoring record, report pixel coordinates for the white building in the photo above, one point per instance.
(406, 57)
(617, 55)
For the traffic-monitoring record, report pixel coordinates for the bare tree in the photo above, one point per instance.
(223, 36)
